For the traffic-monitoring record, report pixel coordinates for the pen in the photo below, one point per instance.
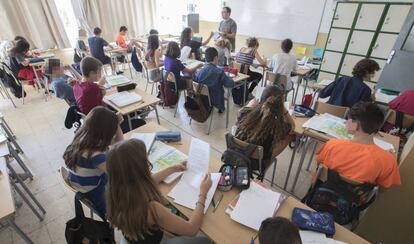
(218, 202)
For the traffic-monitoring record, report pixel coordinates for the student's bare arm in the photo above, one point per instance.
(161, 175)
(260, 59)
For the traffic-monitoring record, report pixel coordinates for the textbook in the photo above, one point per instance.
(117, 80)
(125, 98)
(163, 156)
(147, 138)
(329, 124)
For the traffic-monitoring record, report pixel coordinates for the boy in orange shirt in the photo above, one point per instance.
(120, 39)
(359, 159)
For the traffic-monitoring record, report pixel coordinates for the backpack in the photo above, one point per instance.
(236, 155)
(168, 95)
(10, 81)
(85, 230)
(343, 200)
(135, 61)
(239, 93)
(196, 106)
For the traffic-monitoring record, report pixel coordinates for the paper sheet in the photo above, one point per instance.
(117, 80)
(384, 145)
(262, 200)
(147, 138)
(311, 237)
(198, 156)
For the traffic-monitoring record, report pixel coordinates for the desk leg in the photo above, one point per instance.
(156, 113)
(19, 231)
(244, 93)
(263, 77)
(129, 66)
(39, 84)
(304, 89)
(302, 159)
(19, 160)
(228, 107)
(291, 161)
(129, 122)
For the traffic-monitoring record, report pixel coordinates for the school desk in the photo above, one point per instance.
(114, 53)
(301, 72)
(38, 66)
(321, 137)
(148, 101)
(218, 226)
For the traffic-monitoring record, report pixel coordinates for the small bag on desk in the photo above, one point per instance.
(168, 136)
(126, 87)
(315, 221)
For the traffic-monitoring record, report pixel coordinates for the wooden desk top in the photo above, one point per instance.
(301, 71)
(218, 226)
(240, 77)
(146, 98)
(6, 203)
(299, 121)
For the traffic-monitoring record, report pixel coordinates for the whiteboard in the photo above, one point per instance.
(298, 20)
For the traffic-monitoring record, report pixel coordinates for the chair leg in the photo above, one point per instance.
(152, 88)
(313, 153)
(178, 102)
(274, 171)
(211, 122)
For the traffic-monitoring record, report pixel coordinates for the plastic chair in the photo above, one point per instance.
(64, 174)
(408, 120)
(258, 154)
(205, 92)
(147, 76)
(339, 111)
(300, 51)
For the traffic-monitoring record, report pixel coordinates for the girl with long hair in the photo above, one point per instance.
(86, 156)
(187, 40)
(135, 204)
(153, 54)
(266, 123)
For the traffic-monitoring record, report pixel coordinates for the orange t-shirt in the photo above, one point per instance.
(120, 39)
(360, 162)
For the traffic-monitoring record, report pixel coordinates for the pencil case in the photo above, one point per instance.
(168, 136)
(315, 221)
(126, 87)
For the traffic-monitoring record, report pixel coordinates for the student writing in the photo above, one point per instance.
(135, 204)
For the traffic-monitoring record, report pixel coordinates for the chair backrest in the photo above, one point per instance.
(169, 76)
(241, 68)
(408, 120)
(339, 111)
(277, 79)
(204, 90)
(407, 153)
(317, 52)
(64, 174)
(300, 51)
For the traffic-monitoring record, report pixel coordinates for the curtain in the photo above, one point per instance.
(36, 20)
(109, 15)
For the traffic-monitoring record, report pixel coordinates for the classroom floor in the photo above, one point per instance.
(39, 127)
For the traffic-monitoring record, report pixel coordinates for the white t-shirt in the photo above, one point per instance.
(284, 64)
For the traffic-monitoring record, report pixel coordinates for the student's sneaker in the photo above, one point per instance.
(220, 111)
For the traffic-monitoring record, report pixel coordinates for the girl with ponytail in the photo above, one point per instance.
(266, 123)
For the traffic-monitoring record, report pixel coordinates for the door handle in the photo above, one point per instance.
(375, 46)
(391, 56)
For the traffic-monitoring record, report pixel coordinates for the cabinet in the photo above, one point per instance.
(361, 30)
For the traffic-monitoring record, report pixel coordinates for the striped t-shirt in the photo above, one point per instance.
(88, 176)
(246, 58)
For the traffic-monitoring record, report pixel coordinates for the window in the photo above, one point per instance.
(66, 14)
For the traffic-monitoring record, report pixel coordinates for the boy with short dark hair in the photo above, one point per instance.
(215, 78)
(359, 159)
(278, 230)
(87, 93)
(284, 63)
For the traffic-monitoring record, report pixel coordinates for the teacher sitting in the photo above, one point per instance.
(228, 27)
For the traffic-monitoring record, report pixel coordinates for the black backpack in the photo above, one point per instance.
(85, 230)
(10, 81)
(237, 155)
(343, 200)
(240, 95)
(135, 61)
(196, 105)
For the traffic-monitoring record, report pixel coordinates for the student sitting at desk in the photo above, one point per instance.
(266, 123)
(404, 102)
(223, 47)
(284, 63)
(96, 46)
(153, 58)
(88, 94)
(187, 40)
(346, 91)
(245, 57)
(120, 40)
(214, 78)
(359, 159)
(174, 65)
(278, 230)
(86, 155)
(20, 56)
(61, 83)
(135, 204)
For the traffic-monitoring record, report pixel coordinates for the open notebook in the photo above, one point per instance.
(117, 80)
(125, 98)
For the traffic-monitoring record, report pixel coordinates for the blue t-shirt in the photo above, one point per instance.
(62, 89)
(175, 66)
(96, 46)
(215, 79)
(346, 91)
